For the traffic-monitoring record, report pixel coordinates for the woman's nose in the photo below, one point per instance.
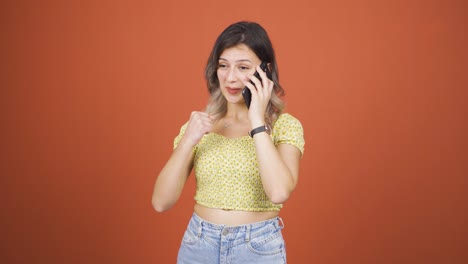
(231, 75)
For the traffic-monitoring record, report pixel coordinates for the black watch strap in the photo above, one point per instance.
(258, 130)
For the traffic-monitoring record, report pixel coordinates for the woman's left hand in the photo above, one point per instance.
(261, 94)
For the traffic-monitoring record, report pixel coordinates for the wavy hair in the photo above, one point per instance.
(256, 38)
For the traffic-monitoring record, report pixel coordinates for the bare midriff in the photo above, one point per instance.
(232, 217)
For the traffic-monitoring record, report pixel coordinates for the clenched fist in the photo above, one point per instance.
(200, 123)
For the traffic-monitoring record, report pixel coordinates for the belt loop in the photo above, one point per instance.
(200, 228)
(247, 234)
(281, 223)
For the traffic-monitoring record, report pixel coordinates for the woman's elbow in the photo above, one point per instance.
(279, 197)
(160, 206)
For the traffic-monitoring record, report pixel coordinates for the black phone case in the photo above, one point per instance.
(246, 93)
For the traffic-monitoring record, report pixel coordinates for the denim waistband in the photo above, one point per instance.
(224, 238)
(276, 223)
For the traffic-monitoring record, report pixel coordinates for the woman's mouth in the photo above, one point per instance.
(233, 90)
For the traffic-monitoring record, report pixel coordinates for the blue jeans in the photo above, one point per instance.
(208, 243)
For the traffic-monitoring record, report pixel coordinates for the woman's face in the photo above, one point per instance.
(234, 66)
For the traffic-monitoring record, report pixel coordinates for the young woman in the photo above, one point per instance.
(246, 159)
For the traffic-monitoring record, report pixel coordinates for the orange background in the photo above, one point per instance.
(93, 93)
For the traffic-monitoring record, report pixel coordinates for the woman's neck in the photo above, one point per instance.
(237, 112)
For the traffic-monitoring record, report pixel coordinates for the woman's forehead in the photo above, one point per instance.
(240, 52)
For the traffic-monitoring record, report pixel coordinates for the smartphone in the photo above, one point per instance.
(246, 92)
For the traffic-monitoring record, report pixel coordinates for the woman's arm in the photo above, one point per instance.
(172, 178)
(279, 167)
(174, 174)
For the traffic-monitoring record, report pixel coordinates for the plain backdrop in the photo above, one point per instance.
(94, 92)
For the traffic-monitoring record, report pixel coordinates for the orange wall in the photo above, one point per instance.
(93, 93)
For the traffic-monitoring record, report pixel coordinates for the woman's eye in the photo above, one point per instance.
(244, 68)
(222, 66)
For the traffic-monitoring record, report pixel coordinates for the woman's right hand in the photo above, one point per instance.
(200, 123)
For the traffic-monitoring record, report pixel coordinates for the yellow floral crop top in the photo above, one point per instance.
(226, 169)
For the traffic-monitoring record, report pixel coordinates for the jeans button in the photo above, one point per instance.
(225, 232)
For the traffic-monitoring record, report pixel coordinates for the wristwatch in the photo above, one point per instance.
(258, 130)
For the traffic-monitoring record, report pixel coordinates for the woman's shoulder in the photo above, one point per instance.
(183, 127)
(287, 124)
(287, 119)
(181, 134)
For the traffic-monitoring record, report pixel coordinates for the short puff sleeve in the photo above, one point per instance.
(288, 130)
(180, 135)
